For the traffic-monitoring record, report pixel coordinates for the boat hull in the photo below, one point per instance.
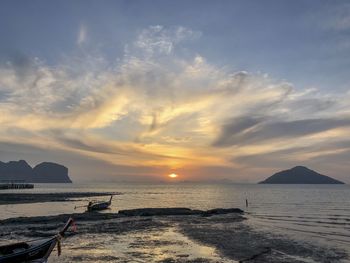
(35, 251)
(100, 206)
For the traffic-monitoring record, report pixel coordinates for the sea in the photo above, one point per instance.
(319, 214)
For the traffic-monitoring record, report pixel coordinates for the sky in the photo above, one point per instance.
(137, 90)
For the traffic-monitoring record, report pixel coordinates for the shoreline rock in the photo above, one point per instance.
(177, 211)
(141, 212)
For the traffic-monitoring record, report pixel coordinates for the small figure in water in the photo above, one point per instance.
(246, 202)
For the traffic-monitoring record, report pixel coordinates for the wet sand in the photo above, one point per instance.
(191, 237)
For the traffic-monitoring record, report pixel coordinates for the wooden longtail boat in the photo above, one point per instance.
(99, 205)
(37, 251)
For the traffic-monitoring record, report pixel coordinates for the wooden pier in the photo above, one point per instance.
(15, 185)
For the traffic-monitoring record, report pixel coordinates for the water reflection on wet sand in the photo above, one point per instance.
(155, 245)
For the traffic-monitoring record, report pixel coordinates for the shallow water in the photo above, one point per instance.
(314, 213)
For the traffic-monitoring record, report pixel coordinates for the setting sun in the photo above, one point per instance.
(173, 175)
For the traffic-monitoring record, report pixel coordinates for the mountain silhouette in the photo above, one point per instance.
(299, 175)
(45, 172)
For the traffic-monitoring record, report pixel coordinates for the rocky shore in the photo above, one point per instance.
(166, 235)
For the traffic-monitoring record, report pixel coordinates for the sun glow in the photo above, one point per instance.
(173, 175)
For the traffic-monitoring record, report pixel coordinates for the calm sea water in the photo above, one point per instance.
(313, 213)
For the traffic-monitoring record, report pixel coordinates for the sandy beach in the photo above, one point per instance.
(163, 235)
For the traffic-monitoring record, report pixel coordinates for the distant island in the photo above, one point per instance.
(299, 175)
(45, 172)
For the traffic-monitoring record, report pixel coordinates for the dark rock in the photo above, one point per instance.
(51, 173)
(14, 170)
(176, 211)
(42, 173)
(222, 211)
(299, 175)
(156, 211)
(81, 217)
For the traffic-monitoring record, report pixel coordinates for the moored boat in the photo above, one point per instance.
(37, 251)
(99, 205)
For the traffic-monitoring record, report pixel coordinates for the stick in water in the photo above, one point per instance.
(80, 206)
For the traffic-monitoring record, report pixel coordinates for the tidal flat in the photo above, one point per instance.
(153, 235)
(30, 198)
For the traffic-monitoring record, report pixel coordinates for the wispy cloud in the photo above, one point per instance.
(161, 109)
(82, 35)
(339, 17)
(158, 40)
(252, 130)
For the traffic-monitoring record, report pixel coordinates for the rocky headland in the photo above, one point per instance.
(46, 172)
